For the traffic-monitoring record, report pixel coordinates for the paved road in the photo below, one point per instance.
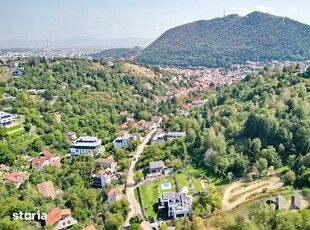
(133, 203)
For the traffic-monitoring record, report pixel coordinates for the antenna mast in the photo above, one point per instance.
(46, 43)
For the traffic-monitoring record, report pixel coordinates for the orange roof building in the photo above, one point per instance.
(14, 177)
(47, 189)
(60, 218)
(114, 195)
(90, 227)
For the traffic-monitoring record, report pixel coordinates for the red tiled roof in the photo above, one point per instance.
(123, 126)
(47, 154)
(185, 106)
(14, 177)
(108, 160)
(56, 113)
(38, 162)
(47, 189)
(90, 227)
(53, 217)
(65, 212)
(114, 191)
(57, 163)
(56, 214)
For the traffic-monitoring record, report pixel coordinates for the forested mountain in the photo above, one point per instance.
(118, 53)
(231, 39)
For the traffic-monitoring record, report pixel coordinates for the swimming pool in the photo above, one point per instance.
(166, 186)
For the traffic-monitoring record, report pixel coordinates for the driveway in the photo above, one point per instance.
(133, 203)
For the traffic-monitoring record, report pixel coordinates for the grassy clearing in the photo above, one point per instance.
(149, 195)
(15, 131)
(221, 189)
(5, 74)
(13, 128)
(181, 177)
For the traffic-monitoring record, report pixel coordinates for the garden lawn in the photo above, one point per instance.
(15, 131)
(181, 178)
(150, 192)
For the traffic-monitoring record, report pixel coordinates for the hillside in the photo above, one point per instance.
(88, 97)
(118, 53)
(231, 39)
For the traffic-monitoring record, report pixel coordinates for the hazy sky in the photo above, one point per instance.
(35, 19)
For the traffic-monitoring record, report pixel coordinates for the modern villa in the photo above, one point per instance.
(165, 136)
(85, 145)
(7, 119)
(156, 166)
(175, 205)
(122, 141)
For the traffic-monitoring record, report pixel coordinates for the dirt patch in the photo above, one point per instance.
(138, 70)
(238, 192)
(96, 66)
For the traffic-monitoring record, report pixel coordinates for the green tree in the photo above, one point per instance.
(288, 220)
(134, 226)
(263, 215)
(289, 177)
(138, 176)
(164, 226)
(114, 221)
(2, 132)
(261, 165)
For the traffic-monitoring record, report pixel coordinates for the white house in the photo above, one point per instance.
(176, 205)
(7, 118)
(122, 141)
(85, 145)
(102, 178)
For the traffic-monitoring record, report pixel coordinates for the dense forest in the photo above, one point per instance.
(259, 124)
(232, 39)
(118, 53)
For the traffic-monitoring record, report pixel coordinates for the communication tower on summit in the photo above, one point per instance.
(47, 48)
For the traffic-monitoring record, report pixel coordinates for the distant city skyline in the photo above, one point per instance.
(119, 19)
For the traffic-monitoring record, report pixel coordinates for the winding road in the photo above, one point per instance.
(133, 203)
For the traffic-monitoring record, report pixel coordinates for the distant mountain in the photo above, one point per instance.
(76, 42)
(231, 39)
(118, 53)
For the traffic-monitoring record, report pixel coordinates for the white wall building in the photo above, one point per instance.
(7, 118)
(85, 145)
(122, 141)
(176, 205)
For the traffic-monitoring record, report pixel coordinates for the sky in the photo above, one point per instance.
(102, 19)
